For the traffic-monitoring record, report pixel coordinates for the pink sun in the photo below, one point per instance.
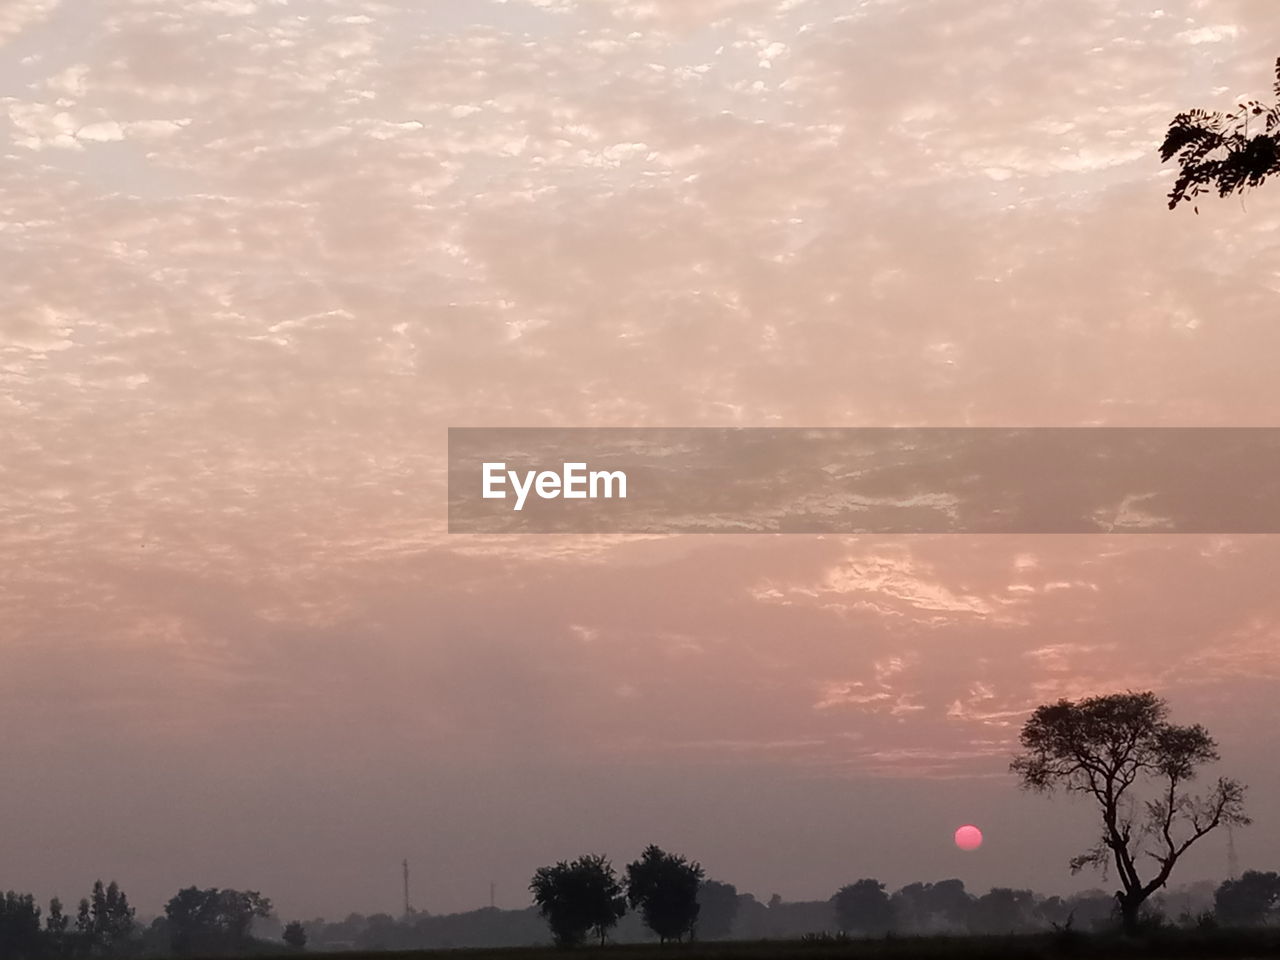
(968, 837)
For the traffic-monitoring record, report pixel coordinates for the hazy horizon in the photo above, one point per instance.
(260, 254)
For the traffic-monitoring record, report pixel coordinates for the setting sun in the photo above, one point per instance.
(968, 837)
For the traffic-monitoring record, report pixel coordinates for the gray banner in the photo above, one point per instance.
(864, 480)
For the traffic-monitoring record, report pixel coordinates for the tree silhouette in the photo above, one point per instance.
(664, 887)
(863, 907)
(110, 918)
(55, 928)
(1248, 902)
(19, 925)
(1002, 910)
(932, 907)
(1228, 151)
(579, 897)
(1104, 747)
(213, 920)
(717, 909)
(294, 934)
(84, 920)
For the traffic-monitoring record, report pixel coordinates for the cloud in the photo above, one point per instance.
(18, 15)
(260, 255)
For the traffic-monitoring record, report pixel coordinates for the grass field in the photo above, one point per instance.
(1172, 943)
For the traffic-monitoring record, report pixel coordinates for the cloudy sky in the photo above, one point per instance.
(257, 256)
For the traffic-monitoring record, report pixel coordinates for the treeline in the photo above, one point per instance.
(865, 908)
(103, 924)
(674, 902)
(196, 922)
(211, 922)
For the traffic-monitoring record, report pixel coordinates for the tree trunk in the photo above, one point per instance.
(1129, 908)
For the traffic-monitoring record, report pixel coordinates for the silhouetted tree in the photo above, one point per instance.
(380, 933)
(1104, 747)
(213, 920)
(717, 909)
(1002, 910)
(55, 929)
(84, 921)
(295, 935)
(1250, 901)
(1093, 910)
(578, 898)
(346, 930)
(753, 920)
(192, 923)
(863, 907)
(56, 921)
(932, 907)
(105, 923)
(664, 887)
(20, 937)
(1230, 151)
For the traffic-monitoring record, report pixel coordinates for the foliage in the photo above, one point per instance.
(56, 922)
(1104, 747)
(664, 887)
(865, 907)
(1221, 150)
(1003, 910)
(58, 941)
(1250, 901)
(105, 921)
(717, 909)
(578, 898)
(295, 935)
(104, 926)
(19, 926)
(213, 921)
(932, 907)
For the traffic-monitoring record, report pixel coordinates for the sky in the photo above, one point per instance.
(256, 256)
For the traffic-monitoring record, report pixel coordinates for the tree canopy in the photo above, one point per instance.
(295, 935)
(1250, 901)
(213, 920)
(19, 925)
(932, 907)
(105, 919)
(717, 909)
(863, 907)
(104, 926)
(1003, 910)
(579, 898)
(664, 887)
